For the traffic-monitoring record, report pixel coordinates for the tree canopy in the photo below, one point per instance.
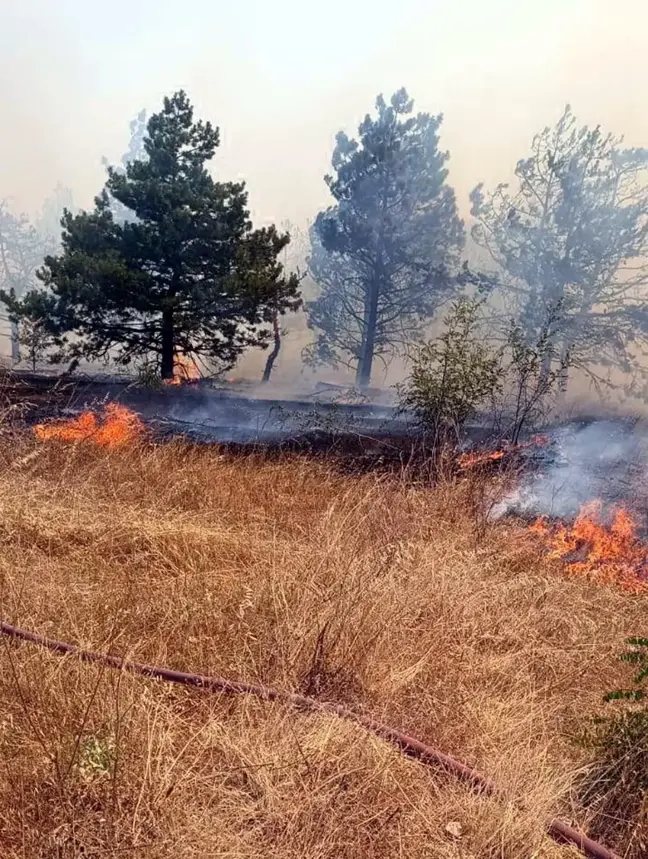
(188, 275)
(384, 254)
(570, 242)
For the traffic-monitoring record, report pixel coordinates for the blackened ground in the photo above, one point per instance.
(583, 459)
(357, 437)
(206, 412)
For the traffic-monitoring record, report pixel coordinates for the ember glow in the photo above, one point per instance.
(477, 457)
(185, 371)
(119, 426)
(610, 554)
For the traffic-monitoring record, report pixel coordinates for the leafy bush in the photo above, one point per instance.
(452, 377)
(457, 375)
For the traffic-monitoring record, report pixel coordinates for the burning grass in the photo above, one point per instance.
(472, 458)
(604, 553)
(119, 426)
(387, 597)
(185, 371)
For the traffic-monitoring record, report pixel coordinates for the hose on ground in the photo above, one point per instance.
(409, 746)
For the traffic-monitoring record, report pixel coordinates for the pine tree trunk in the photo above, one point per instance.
(363, 374)
(167, 344)
(15, 341)
(272, 357)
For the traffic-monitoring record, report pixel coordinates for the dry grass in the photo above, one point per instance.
(387, 598)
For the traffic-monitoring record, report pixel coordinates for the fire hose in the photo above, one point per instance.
(409, 746)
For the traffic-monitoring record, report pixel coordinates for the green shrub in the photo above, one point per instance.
(453, 376)
(460, 374)
(148, 375)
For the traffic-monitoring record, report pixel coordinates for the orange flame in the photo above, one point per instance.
(608, 554)
(184, 371)
(467, 460)
(119, 426)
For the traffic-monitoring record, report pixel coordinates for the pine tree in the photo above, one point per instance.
(188, 276)
(383, 255)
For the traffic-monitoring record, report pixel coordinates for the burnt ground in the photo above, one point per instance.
(359, 437)
(583, 459)
(205, 412)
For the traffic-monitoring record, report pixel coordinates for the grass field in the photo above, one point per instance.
(393, 599)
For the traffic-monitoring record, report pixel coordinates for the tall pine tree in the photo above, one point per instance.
(383, 255)
(188, 276)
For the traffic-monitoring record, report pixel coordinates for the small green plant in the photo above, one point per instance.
(637, 656)
(96, 755)
(617, 785)
(35, 341)
(455, 375)
(148, 375)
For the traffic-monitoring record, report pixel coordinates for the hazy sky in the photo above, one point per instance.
(280, 78)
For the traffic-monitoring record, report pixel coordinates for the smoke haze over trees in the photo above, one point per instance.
(136, 152)
(571, 240)
(21, 253)
(188, 276)
(566, 242)
(48, 221)
(384, 255)
(23, 246)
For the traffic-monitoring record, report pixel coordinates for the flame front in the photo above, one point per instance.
(119, 426)
(609, 554)
(467, 460)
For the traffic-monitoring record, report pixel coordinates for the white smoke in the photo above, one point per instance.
(604, 459)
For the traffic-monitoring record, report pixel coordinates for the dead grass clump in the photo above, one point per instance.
(390, 598)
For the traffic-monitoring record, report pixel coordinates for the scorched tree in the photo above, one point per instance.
(570, 243)
(384, 253)
(187, 276)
